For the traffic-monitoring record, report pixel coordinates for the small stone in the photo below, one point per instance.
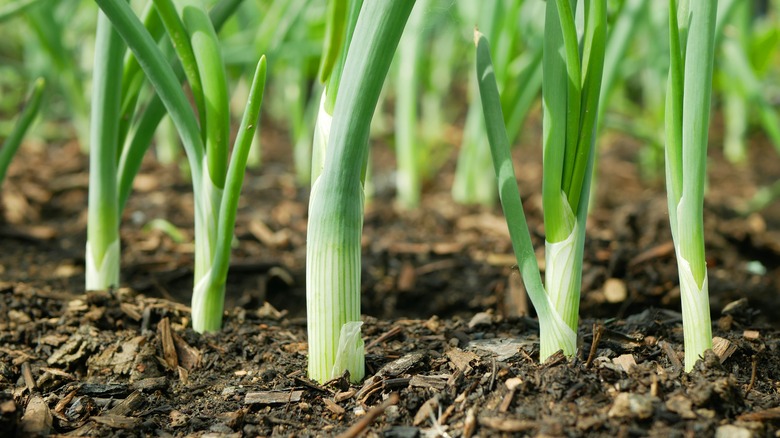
(626, 361)
(731, 431)
(632, 406)
(513, 383)
(615, 290)
(682, 406)
(178, 419)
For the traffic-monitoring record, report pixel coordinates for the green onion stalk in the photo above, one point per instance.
(50, 23)
(15, 8)
(216, 181)
(744, 89)
(342, 19)
(118, 144)
(570, 94)
(519, 80)
(692, 36)
(333, 250)
(409, 146)
(523, 80)
(620, 35)
(735, 99)
(472, 184)
(102, 251)
(11, 144)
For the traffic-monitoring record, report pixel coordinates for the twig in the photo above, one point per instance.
(671, 354)
(492, 376)
(598, 329)
(658, 251)
(369, 418)
(470, 425)
(395, 330)
(753, 372)
(29, 382)
(526, 356)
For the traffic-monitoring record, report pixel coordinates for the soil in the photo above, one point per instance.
(124, 362)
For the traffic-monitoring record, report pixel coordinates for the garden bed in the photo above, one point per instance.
(446, 325)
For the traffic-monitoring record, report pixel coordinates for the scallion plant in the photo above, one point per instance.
(120, 139)
(333, 250)
(342, 19)
(52, 25)
(11, 144)
(570, 95)
(692, 41)
(103, 247)
(216, 183)
(519, 80)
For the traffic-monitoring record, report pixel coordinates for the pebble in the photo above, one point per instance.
(627, 405)
(731, 431)
(615, 290)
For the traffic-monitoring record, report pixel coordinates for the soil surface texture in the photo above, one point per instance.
(451, 341)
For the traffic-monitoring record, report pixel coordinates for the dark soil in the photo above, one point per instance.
(125, 363)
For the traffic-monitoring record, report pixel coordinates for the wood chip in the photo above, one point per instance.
(184, 375)
(770, 414)
(37, 419)
(409, 248)
(168, 347)
(436, 383)
(119, 357)
(266, 236)
(407, 277)
(132, 403)
(671, 354)
(447, 248)
(751, 335)
(178, 419)
(65, 401)
(272, 397)
(80, 345)
(59, 373)
(501, 259)
(462, 359)
(117, 421)
(340, 397)
(507, 424)
(189, 357)
(426, 411)
(470, 425)
(507, 401)
(723, 348)
(150, 384)
(333, 407)
(7, 408)
(516, 298)
(659, 251)
(357, 428)
(626, 361)
(131, 311)
(401, 365)
(29, 382)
